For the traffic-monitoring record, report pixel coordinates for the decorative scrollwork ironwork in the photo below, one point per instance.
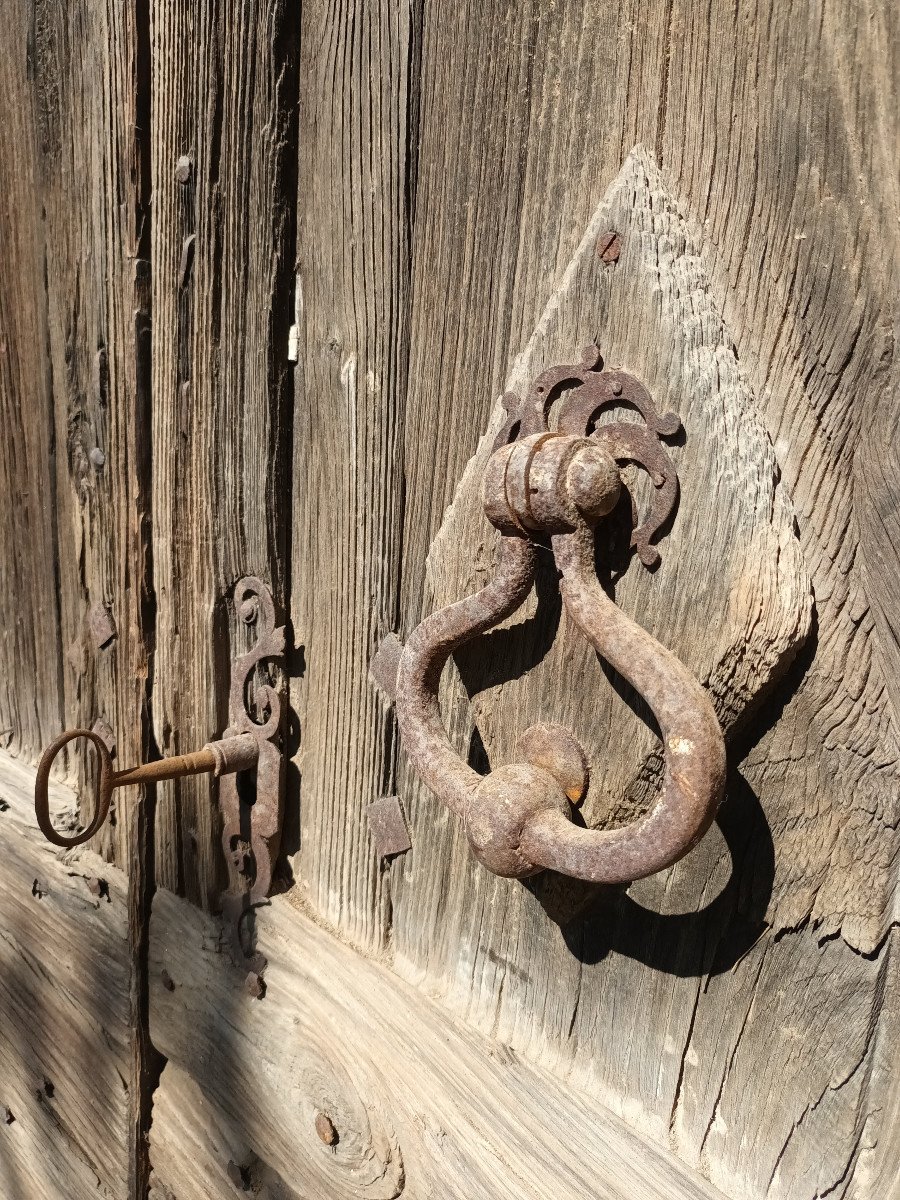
(252, 816)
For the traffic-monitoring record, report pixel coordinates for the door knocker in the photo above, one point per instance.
(546, 488)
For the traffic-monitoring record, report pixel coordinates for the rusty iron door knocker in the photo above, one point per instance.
(250, 745)
(550, 488)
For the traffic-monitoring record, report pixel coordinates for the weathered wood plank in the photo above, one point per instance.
(64, 979)
(420, 1104)
(224, 185)
(777, 129)
(90, 66)
(353, 219)
(813, 305)
(527, 112)
(812, 311)
(87, 63)
(731, 598)
(30, 656)
(785, 165)
(198, 1152)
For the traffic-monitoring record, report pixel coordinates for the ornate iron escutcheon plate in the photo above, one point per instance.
(252, 817)
(588, 390)
(550, 488)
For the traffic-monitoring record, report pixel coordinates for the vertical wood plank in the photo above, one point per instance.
(30, 657)
(527, 112)
(88, 63)
(784, 162)
(353, 221)
(224, 182)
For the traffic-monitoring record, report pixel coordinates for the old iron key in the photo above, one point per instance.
(251, 823)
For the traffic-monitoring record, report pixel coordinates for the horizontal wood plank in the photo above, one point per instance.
(64, 979)
(416, 1103)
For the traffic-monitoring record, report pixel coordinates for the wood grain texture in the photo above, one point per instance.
(421, 1105)
(353, 221)
(451, 158)
(224, 99)
(814, 310)
(87, 63)
(527, 112)
(30, 655)
(64, 1069)
(197, 1151)
(731, 599)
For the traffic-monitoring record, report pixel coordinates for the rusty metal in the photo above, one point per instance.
(609, 246)
(251, 833)
(250, 745)
(201, 761)
(326, 1130)
(388, 827)
(101, 626)
(255, 985)
(550, 488)
(554, 749)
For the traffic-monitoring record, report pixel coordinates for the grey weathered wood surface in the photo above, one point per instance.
(94, 194)
(64, 1041)
(422, 1105)
(469, 146)
(731, 598)
(353, 274)
(224, 97)
(30, 692)
(750, 116)
(90, 165)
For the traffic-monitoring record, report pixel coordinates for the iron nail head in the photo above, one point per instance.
(609, 246)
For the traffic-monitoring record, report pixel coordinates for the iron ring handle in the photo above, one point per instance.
(103, 796)
(518, 817)
(693, 747)
(554, 487)
(423, 660)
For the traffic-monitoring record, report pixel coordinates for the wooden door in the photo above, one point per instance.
(266, 270)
